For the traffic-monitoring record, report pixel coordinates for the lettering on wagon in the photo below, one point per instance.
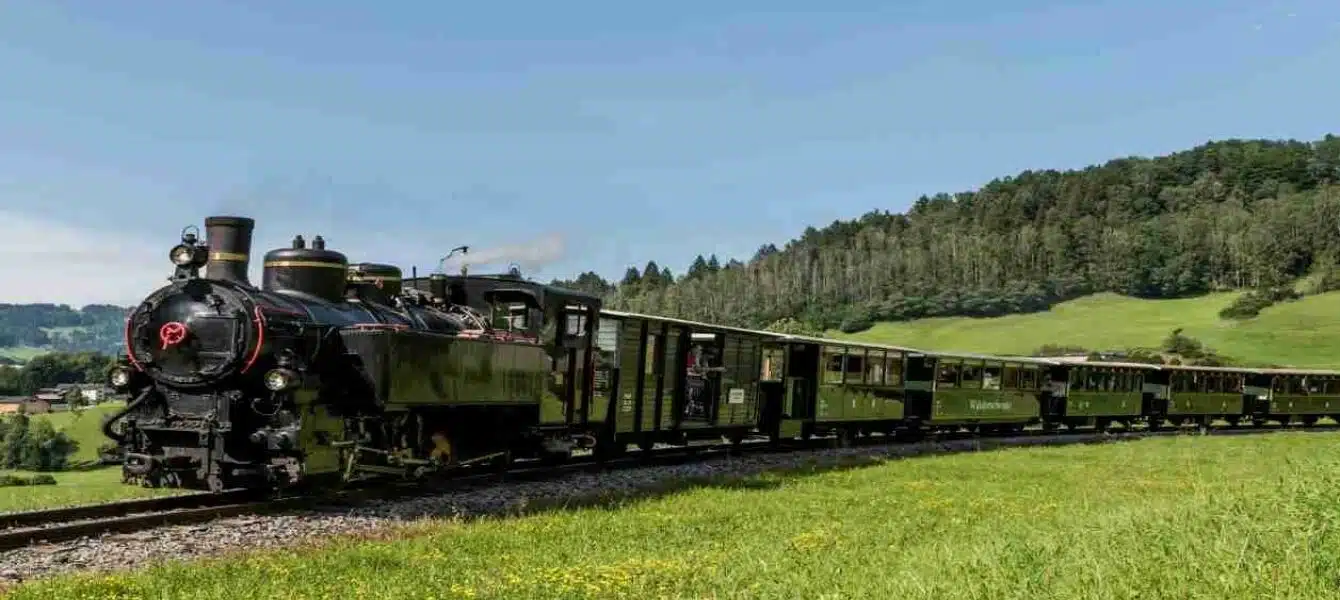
(990, 405)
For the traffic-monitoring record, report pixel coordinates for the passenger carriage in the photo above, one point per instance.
(660, 379)
(1196, 395)
(1285, 394)
(1099, 393)
(949, 391)
(819, 386)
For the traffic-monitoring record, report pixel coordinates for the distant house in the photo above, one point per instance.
(46, 400)
(12, 404)
(90, 393)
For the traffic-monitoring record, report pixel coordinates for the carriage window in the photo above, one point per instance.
(1312, 384)
(607, 335)
(854, 365)
(1078, 377)
(947, 376)
(991, 377)
(832, 365)
(652, 344)
(512, 317)
(575, 324)
(1029, 379)
(1011, 378)
(972, 376)
(874, 367)
(1332, 387)
(893, 369)
(773, 364)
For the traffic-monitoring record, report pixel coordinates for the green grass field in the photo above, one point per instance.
(76, 487)
(26, 353)
(1186, 517)
(73, 488)
(1303, 333)
(84, 427)
(22, 353)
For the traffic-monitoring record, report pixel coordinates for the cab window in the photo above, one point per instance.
(991, 378)
(972, 376)
(832, 365)
(874, 367)
(947, 375)
(893, 369)
(1028, 378)
(853, 366)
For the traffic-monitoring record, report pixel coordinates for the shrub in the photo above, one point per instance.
(1250, 304)
(19, 480)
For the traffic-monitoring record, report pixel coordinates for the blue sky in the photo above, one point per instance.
(591, 135)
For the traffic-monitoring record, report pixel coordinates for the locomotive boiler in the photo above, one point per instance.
(327, 370)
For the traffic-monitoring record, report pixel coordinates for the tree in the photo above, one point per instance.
(1225, 215)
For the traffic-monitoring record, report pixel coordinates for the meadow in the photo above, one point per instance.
(1183, 517)
(91, 486)
(1301, 333)
(73, 488)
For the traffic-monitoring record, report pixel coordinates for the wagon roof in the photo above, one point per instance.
(1106, 363)
(1205, 369)
(808, 339)
(688, 323)
(974, 356)
(1289, 371)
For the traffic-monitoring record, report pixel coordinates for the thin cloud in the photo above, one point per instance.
(47, 261)
(529, 256)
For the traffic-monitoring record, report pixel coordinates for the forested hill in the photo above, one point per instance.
(97, 327)
(1227, 214)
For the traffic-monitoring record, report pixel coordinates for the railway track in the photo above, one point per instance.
(18, 530)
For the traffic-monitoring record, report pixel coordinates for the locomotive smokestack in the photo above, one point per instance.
(229, 240)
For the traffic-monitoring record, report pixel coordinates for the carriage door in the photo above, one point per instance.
(919, 385)
(578, 333)
(771, 386)
(802, 381)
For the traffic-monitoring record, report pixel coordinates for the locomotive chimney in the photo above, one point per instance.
(229, 240)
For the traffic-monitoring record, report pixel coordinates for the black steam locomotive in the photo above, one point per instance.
(332, 370)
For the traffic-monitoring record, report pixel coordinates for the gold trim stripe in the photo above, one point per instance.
(228, 256)
(304, 264)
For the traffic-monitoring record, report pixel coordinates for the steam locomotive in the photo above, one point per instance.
(331, 370)
(334, 372)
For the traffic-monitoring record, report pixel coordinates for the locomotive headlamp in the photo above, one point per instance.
(182, 255)
(278, 380)
(120, 377)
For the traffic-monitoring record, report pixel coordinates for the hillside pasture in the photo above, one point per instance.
(1301, 333)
